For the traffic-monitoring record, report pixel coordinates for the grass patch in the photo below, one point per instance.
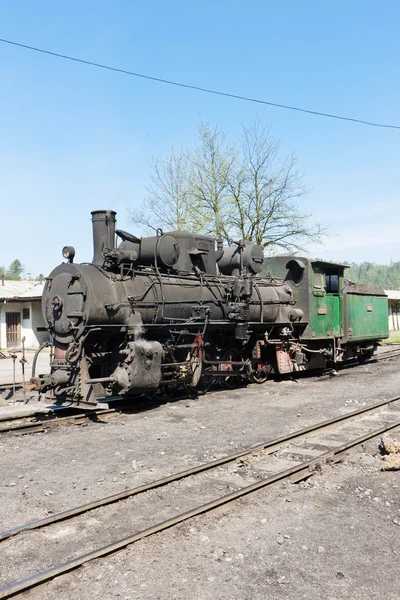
(393, 339)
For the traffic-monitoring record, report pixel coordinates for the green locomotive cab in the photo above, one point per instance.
(326, 300)
(342, 320)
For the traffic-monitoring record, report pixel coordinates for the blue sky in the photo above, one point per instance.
(74, 138)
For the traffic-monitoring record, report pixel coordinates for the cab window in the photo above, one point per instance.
(332, 283)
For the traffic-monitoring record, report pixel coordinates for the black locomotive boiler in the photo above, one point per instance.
(155, 312)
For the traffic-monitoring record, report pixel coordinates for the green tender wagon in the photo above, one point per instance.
(341, 319)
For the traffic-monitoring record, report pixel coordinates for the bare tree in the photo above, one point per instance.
(214, 163)
(246, 192)
(267, 192)
(168, 205)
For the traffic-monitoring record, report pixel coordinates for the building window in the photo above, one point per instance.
(26, 314)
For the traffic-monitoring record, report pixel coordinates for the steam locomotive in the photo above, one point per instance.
(179, 308)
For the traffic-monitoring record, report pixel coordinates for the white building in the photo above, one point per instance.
(394, 309)
(21, 314)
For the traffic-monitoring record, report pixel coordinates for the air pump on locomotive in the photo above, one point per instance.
(154, 313)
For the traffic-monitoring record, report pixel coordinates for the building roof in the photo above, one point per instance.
(16, 290)
(393, 294)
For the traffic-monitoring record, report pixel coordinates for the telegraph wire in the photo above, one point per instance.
(198, 88)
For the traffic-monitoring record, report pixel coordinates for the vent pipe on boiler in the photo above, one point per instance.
(103, 222)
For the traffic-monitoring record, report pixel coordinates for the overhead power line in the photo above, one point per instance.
(198, 88)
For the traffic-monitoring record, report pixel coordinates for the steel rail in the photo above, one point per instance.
(51, 418)
(30, 415)
(51, 412)
(387, 354)
(6, 386)
(354, 363)
(36, 426)
(303, 468)
(295, 435)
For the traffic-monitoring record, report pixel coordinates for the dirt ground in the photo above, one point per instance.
(333, 537)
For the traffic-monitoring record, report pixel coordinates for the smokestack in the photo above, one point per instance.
(103, 222)
(2, 279)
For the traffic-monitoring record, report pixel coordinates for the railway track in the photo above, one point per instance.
(291, 457)
(41, 421)
(9, 386)
(24, 423)
(386, 354)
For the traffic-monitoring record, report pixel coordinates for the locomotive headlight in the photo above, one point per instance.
(68, 252)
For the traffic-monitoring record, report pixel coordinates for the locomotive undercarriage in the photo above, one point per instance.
(114, 362)
(120, 362)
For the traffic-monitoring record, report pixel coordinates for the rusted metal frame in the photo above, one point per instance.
(303, 467)
(194, 470)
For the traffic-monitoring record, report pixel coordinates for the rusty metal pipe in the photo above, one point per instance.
(192, 345)
(225, 362)
(176, 364)
(42, 345)
(100, 380)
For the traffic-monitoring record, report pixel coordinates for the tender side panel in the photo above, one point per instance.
(367, 317)
(325, 316)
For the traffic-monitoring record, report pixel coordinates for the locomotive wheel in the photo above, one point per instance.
(231, 354)
(196, 368)
(207, 378)
(259, 375)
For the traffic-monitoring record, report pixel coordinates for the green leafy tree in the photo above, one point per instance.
(384, 276)
(15, 270)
